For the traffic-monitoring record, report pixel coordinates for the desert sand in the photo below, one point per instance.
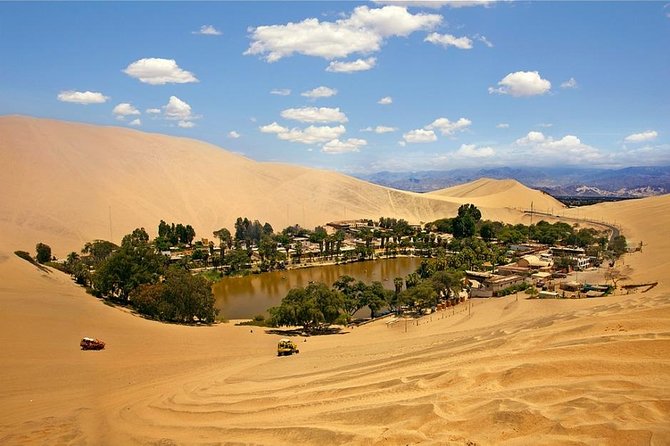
(490, 193)
(69, 183)
(508, 372)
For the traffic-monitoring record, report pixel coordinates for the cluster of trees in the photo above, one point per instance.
(173, 235)
(136, 274)
(468, 224)
(250, 232)
(180, 297)
(461, 226)
(317, 305)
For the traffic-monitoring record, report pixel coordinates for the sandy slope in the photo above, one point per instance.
(490, 193)
(512, 372)
(68, 183)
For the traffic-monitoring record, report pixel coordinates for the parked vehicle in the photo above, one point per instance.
(286, 347)
(91, 344)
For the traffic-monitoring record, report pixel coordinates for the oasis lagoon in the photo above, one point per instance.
(244, 297)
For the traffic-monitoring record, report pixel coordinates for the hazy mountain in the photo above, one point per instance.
(560, 181)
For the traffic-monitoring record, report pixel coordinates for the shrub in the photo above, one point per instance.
(43, 252)
(25, 256)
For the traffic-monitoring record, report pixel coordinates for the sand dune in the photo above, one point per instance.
(592, 371)
(490, 193)
(68, 183)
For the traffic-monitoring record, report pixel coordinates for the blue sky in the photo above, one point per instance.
(356, 86)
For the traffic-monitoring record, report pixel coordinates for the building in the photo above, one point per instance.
(582, 262)
(494, 284)
(566, 251)
(535, 262)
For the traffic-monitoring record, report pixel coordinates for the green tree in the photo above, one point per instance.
(310, 307)
(135, 263)
(319, 236)
(97, 251)
(77, 268)
(448, 282)
(464, 226)
(225, 239)
(43, 253)
(471, 210)
(487, 231)
(423, 295)
(237, 259)
(180, 298)
(270, 255)
(284, 240)
(376, 297)
(352, 294)
(618, 245)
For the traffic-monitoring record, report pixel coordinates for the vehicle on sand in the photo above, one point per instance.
(286, 347)
(91, 344)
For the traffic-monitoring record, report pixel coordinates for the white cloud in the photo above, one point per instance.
(522, 83)
(437, 4)
(186, 124)
(570, 83)
(386, 100)
(314, 114)
(419, 136)
(273, 128)
(531, 138)
(82, 97)
(125, 109)
(642, 137)
(569, 148)
(391, 21)
(352, 67)
(208, 30)
(313, 134)
(447, 127)
(502, 125)
(447, 40)
(135, 122)
(484, 40)
(472, 151)
(281, 91)
(233, 134)
(379, 129)
(153, 111)
(350, 145)
(310, 135)
(156, 71)
(319, 92)
(363, 32)
(545, 125)
(176, 109)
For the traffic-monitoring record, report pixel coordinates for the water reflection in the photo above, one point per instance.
(244, 297)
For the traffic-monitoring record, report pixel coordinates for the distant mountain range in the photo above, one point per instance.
(628, 182)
